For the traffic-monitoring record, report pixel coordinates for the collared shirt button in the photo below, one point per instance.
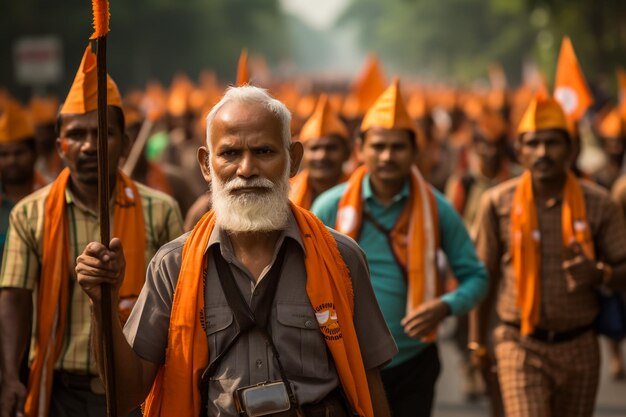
(259, 363)
(308, 324)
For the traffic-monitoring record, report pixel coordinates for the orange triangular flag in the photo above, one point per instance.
(243, 76)
(369, 84)
(570, 87)
(389, 111)
(83, 95)
(323, 122)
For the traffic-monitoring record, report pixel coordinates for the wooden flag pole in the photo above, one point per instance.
(101, 24)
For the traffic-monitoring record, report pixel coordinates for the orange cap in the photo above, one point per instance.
(543, 112)
(323, 122)
(491, 125)
(611, 125)
(180, 92)
(389, 111)
(15, 124)
(44, 110)
(83, 95)
(132, 115)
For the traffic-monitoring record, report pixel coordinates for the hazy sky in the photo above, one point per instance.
(320, 14)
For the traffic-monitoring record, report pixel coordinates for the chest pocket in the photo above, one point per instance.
(299, 341)
(220, 330)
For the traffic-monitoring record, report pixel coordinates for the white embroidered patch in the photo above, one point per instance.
(347, 219)
(129, 193)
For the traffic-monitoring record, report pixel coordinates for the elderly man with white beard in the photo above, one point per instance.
(260, 309)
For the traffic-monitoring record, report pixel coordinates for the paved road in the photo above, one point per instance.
(449, 400)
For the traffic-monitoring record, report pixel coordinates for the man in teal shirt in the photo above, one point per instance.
(388, 182)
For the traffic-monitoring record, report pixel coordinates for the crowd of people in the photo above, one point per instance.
(293, 249)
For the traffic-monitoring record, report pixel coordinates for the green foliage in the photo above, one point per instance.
(458, 39)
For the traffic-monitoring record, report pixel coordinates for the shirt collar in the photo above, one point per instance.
(219, 236)
(368, 191)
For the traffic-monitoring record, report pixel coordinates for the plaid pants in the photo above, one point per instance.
(540, 379)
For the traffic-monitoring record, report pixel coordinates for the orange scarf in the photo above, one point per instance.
(414, 237)
(526, 241)
(175, 391)
(53, 294)
(300, 192)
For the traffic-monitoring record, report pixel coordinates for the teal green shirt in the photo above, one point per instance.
(387, 279)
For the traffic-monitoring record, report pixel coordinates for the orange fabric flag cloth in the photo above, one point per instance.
(128, 225)
(414, 237)
(526, 242)
(570, 87)
(175, 391)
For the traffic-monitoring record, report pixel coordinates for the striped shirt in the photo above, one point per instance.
(23, 253)
(561, 309)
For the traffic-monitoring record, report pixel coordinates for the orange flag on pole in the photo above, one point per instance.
(570, 87)
(243, 76)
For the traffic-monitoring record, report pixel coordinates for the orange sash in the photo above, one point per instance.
(53, 293)
(414, 237)
(526, 241)
(175, 391)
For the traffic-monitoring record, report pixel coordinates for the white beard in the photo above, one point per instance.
(251, 212)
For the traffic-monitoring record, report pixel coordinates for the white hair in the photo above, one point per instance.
(250, 94)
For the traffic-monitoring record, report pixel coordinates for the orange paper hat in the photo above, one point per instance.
(323, 122)
(243, 76)
(491, 125)
(570, 87)
(43, 110)
(83, 95)
(389, 111)
(180, 92)
(15, 124)
(611, 125)
(543, 112)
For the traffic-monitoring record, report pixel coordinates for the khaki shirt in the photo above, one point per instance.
(561, 310)
(294, 328)
(23, 253)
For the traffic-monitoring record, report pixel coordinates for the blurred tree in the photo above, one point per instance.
(460, 38)
(444, 39)
(149, 38)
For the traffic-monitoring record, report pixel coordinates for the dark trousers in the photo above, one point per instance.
(73, 398)
(410, 386)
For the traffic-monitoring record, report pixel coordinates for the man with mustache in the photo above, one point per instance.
(47, 231)
(402, 222)
(311, 325)
(326, 147)
(549, 241)
(18, 156)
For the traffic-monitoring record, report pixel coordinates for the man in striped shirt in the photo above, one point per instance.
(63, 378)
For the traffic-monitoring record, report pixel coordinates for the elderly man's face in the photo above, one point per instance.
(249, 168)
